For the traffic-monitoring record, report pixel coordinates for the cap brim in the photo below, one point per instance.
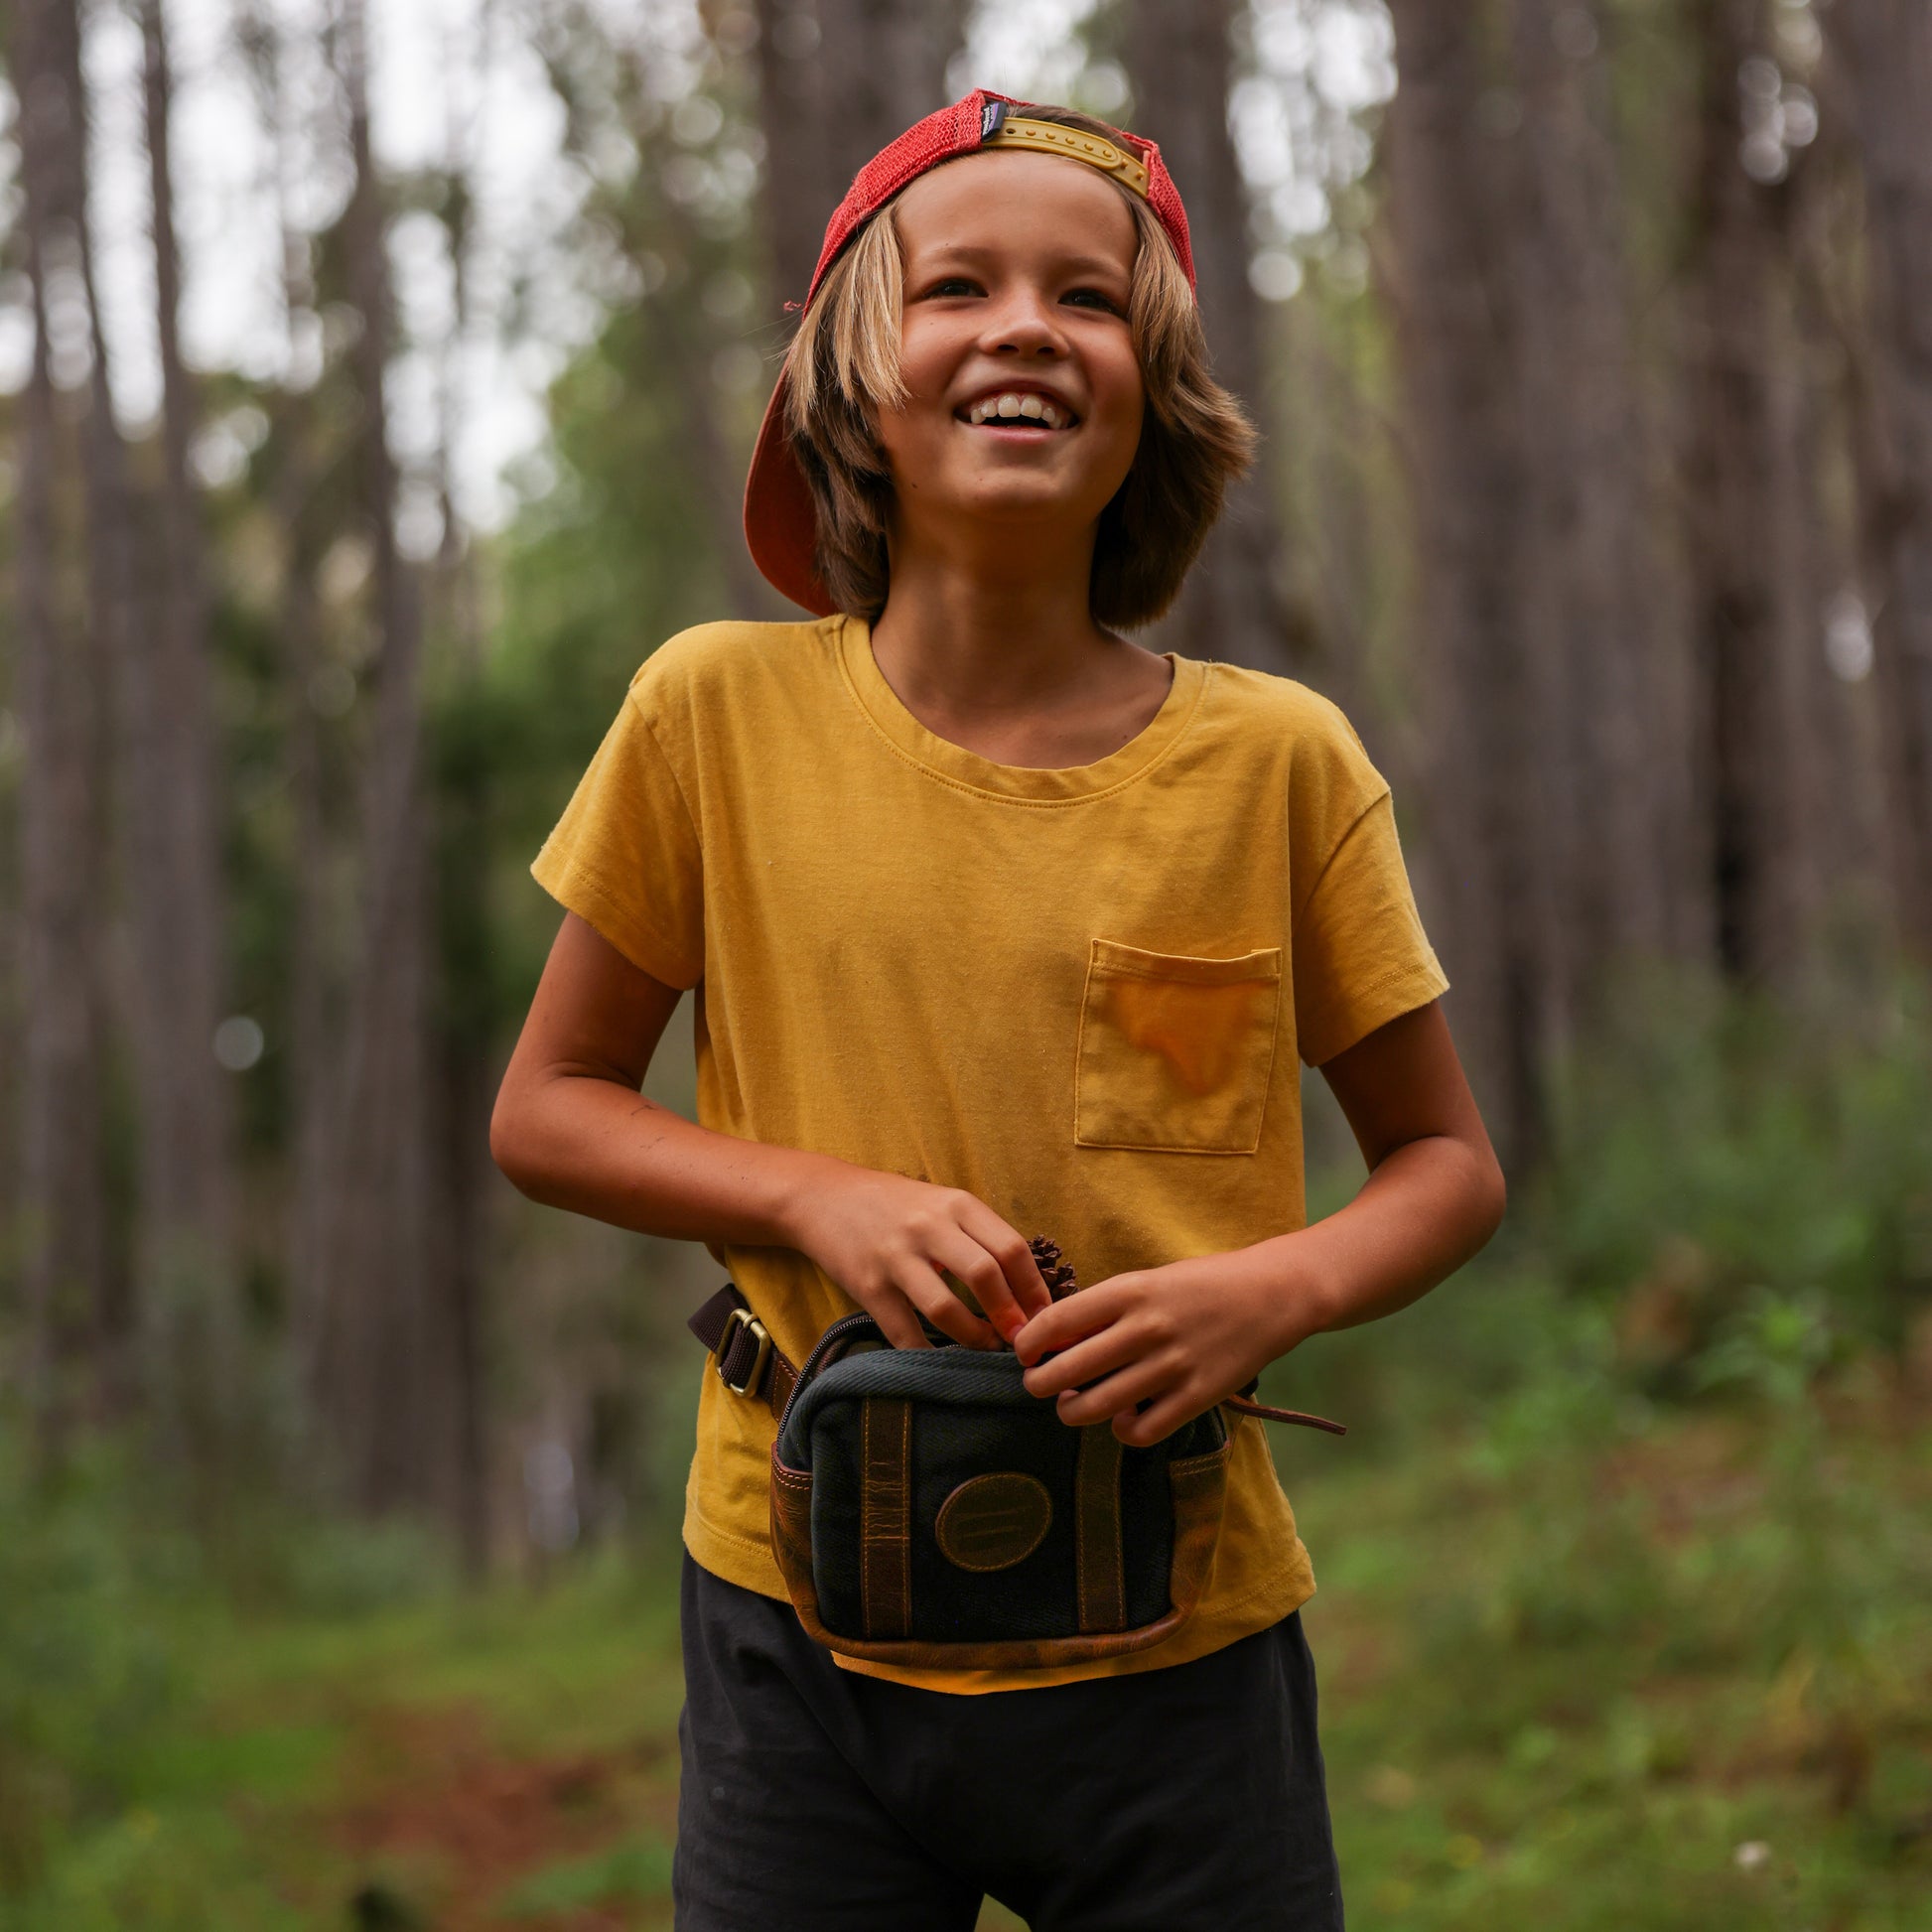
(780, 526)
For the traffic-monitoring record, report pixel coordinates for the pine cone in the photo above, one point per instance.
(1055, 1270)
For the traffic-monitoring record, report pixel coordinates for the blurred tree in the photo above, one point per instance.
(1454, 214)
(1885, 49)
(837, 79)
(1608, 656)
(56, 683)
(291, 487)
(1844, 885)
(1180, 61)
(677, 225)
(1739, 500)
(175, 885)
(464, 1023)
(383, 1364)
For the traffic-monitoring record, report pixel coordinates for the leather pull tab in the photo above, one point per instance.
(1241, 1405)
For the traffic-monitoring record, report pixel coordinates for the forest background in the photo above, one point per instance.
(376, 382)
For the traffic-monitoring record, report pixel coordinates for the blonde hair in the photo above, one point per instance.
(843, 369)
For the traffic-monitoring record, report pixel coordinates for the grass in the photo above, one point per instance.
(1584, 1663)
(1678, 1677)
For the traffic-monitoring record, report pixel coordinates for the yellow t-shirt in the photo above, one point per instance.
(1078, 994)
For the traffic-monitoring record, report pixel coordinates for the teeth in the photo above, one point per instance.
(1033, 408)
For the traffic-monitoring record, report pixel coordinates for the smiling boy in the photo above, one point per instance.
(999, 922)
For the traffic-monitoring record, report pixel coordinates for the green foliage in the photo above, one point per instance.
(635, 1873)
(1618, 1565)
(87, 1682)
(109, 1609)
(1739, 1198)
(1589, 1668)
(1754, 1176)
(353, 1568)
(1773, 1344)
(1663, 1674)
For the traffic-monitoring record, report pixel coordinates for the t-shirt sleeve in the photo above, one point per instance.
(625, 857)
(1360, 956)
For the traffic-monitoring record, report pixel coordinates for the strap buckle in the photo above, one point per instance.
(743, 1318)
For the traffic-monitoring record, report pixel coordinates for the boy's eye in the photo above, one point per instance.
(957, 285)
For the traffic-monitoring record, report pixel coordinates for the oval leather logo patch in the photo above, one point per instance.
(993, 1522)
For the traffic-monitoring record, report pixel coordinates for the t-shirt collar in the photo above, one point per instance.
(956, 763)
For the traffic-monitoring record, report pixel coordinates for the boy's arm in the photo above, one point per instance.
(571, 1130)
(1182, 1336)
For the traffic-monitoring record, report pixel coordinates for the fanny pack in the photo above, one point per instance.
(926, 1510)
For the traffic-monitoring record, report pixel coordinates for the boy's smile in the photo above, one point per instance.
(1019, 406)
(1024, 393)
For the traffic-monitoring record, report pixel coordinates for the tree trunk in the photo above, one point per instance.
(461, 1111)
(1452, 211)
(63, 1207)
(1738, 515)
(383, 1368)
(837, 81)
(1885, 48)
(314, 1097)
(717, 467)
(314, 1084)
(110, 550)
(1181, 60)
(175, 885)
(1331, 507)
(1587, 572)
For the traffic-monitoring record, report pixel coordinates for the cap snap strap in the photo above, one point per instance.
(1016, 131)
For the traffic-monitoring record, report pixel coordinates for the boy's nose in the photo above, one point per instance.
(1024, 320)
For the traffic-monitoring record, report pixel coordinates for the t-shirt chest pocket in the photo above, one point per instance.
(1175, 1051)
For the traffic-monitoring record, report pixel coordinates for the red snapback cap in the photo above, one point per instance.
(780, 528)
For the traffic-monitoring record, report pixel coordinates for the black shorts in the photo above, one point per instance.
(814, 1799)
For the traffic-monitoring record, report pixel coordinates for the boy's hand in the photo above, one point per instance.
(1180, 1339)
(886, 1241)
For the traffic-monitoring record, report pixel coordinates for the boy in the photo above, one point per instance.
(999, 925)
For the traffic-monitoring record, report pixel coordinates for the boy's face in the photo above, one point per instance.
(1017, 272)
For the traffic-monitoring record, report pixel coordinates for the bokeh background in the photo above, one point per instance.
(376, 381)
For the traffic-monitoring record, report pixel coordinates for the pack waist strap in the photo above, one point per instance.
(749, 1363)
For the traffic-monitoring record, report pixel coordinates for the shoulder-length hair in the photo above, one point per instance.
(843, 366)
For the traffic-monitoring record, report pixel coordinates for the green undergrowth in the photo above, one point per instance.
(1632, 1670)
(1582, 1665)
(293, 1767)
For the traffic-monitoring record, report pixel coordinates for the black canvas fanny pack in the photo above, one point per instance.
(927, 1510)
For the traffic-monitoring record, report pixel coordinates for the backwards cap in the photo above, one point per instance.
(779, 524)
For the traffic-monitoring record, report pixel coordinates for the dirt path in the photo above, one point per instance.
(447, 1831)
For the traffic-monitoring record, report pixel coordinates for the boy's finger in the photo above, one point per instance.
(899, 1318)
(921, 1284)
(1061, 1323)
(963, 1257)
(1111, 1395)
(1018, 1269)
(1087, 1361)
(1143, 1427)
